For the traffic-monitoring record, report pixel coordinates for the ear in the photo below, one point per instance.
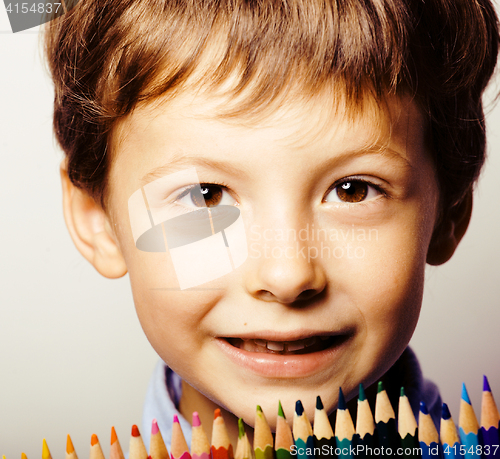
(450, 231)
(90, 230)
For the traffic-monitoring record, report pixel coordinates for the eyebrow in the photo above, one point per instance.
(189, 161)
(185, 160)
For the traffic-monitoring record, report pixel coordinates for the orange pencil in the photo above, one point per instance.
(70, 449)
(23, 456)
(179, 448)
(157, 448)
(137, 450)
(221, 446)
(200, 447)
(45, 450)
(115, 450)
(95, 448)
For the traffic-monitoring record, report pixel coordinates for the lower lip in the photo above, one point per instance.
(283, 366)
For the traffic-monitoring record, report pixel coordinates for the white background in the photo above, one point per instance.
(73, 358)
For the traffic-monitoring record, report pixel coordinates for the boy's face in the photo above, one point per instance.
(338, 218)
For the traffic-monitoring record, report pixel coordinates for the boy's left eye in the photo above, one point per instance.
(206, 195)
(352, 191)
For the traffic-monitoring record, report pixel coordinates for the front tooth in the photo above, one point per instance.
(275, 346)
(295, 346)
(260, 342)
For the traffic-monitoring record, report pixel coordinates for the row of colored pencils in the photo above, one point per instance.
(376, 435)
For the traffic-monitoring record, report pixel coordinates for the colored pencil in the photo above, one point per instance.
(385, 422)
(221, 446)
(95, 448)
(302, 433)
(136, 449)
(115, 450)
(449, 436)
(23, 456)
(364, 438)
(70, 449)
(490, 423)
(157, 447)
(468, 427)
(344, 429)
(324, 440)
(179, 448)
(200, 446)
(284, 440)
(428, 436)
(262, 436)
(45, 450)
(243, 447)
(407, 428)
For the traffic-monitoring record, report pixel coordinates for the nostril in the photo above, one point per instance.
(307, 294)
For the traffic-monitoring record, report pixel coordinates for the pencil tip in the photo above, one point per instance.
(342, 404)
(319, 403)
(402, 392)
(196, 419)
(259, 409)
(176, 419)
(69, 445)
(423, 408)
(445, 412)
(217, 413)
(299, 409)
(280, 409)
(154, 427)
(94, 440)
(135, 431)
(113, 435)
(380, 387)
(486, 384)
(241, 428)
(465, 395)
(361, 395)
(45, 450)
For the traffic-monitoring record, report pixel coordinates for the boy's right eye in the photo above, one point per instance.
(206, 195)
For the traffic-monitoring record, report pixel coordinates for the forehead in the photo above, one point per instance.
(294, 123)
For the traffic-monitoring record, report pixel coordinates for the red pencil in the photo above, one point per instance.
(221, 446)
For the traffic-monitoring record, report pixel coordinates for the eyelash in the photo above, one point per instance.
(354, 178)
(185, 191)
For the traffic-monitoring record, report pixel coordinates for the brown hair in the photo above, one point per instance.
(107, 56)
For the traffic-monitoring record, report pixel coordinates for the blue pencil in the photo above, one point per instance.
(468, 427)
(302, 433)
(490, 423)
(428, 436)
(344, 429)
(449, 437)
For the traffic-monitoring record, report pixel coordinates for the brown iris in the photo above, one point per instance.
(354, 191)
(206, 195)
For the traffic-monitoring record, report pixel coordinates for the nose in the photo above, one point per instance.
(285, 270)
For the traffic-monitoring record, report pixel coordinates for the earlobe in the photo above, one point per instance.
(449, 232)
(90, 230)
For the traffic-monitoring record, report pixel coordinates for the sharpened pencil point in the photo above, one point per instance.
(380, 387)
(361, 395)
(113, 435)
(465, 395)
(259, 409)
(319, 403)
(196, 419)
(176, 419)
(299, 409)
(217, 413)
(280, 410)
(154, 427)
(486, 384)
(69, 445)
(342, 404)
(402, 392)
(423, 408)
(94, 440)
(445, 412)
(135, 431)
(241, 428)
(45, 450)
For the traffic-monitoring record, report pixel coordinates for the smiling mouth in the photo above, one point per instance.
(298, 347)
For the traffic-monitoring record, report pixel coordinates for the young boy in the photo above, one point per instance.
(274, 176)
